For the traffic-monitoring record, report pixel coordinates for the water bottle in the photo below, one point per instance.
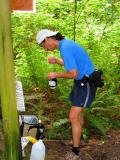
(40, 130)
(38, 151)
(53, 83)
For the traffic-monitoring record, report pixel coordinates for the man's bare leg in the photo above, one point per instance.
(76, 119)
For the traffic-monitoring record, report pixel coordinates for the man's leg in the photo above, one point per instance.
(76, 119)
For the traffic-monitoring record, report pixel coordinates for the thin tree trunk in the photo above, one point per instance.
(75, 11)
(7, 86)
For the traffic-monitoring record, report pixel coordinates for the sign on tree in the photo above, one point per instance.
(23, 5)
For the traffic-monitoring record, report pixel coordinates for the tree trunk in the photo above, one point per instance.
(7, 85)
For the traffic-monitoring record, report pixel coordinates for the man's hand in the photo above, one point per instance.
(52, 60)
(51, 75)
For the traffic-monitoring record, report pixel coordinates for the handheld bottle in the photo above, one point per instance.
(52, 83)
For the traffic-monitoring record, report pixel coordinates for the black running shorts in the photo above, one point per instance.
(82, 95)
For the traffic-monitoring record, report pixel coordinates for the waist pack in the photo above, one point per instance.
(97, 78)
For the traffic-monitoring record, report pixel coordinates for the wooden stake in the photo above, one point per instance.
(7, 86)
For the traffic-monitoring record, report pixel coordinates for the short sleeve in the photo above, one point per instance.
(69, 61)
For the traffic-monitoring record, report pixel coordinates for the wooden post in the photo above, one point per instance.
(7, 85)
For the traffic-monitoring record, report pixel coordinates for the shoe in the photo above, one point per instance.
(72, 156)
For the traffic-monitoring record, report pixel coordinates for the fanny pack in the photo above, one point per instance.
(97, 78)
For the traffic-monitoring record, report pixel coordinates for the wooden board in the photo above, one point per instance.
(23, 5)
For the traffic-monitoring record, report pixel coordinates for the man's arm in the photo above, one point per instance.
(68, 74)
(59, 61)
(54, 60)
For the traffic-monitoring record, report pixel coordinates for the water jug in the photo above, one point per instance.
(38, 151)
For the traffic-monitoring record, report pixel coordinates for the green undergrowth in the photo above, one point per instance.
(54, 110)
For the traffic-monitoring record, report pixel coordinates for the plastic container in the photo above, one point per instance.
(40, 130)
(38, 151)
(53, 83)
(25, 141)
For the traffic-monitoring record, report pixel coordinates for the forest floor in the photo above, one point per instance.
(96, 148)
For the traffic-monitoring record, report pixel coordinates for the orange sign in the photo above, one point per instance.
(23, 5)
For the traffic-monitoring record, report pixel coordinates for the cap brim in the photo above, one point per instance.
(41, 39)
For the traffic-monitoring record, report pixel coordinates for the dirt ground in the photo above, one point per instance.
(104, 149)
(96, 148)
(107, 148)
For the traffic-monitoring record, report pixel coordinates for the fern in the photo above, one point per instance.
(99, 123)
(60, 122)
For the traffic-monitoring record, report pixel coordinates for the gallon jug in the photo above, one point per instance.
(38, 151)
(25, 141)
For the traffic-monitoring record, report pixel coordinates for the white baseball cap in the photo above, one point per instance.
(44, 33)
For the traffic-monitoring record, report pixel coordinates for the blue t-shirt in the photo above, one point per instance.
(75, 58)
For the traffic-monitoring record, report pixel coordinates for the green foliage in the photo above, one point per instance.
(85, 134)
(59, 130)
(100, 123)
(97, 29)
(60, 122)
(104, 111)
(2, 155)
(96, 23)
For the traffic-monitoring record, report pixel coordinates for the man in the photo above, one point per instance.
(78, 66)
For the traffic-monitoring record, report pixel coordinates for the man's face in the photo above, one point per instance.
(48, 44)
